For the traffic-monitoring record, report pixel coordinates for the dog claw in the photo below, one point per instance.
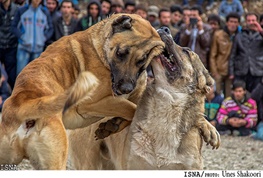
(210, 135)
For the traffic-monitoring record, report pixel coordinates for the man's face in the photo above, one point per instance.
(195, 14)
(165, 18)
(232, 24)
(66, 9)
(186, 16)
(141, 13)
(105, 7)
(250, 21)
(214, 24)
(51, 5)
(176, 17)
(130, 9)
(117, 9)
(239, 93)
(94, 10)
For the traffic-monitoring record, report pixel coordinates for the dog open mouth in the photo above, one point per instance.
(170, 59)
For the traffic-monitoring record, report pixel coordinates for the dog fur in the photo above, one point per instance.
(76, 81)
(168, 128)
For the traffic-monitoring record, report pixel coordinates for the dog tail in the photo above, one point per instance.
(46, 106)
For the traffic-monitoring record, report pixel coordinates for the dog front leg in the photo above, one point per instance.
(85, 114)
(209, 132)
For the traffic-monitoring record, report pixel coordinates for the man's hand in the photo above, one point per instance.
(237, 122)
(257, 27)
(231, 77)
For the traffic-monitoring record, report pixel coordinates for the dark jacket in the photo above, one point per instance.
(257, 95)
(247, 54)
(87, 21)
(203, 42)
(7, 38)
(58, 27)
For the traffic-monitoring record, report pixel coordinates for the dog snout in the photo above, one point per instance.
(126, 88)
(164, 29)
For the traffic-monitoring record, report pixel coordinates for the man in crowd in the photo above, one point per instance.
(105, 8)
(117, 6)
(176, 16)
(246, 59)
(32, 25)
(65, 24)
(8, 41)
(165, 20)
(153, 16)
(220, 52)
(93, 16)
(238, 113)
(129, 7)
(52, 6)
(196, 35)
(141, 10)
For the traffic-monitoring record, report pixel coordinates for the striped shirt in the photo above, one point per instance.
(247, 109)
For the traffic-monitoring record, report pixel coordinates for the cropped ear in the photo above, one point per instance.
(121, 24)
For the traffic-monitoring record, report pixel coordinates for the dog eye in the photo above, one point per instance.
(142, 60)
(122, 53)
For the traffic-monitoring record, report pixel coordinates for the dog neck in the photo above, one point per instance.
(160, 122)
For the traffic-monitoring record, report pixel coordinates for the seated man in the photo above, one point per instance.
(213, 102)
(238, 113)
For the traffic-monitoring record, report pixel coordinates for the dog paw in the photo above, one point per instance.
(110, 127)
(210, 135)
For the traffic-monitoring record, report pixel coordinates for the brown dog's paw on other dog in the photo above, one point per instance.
(113, 125)
(76, 81)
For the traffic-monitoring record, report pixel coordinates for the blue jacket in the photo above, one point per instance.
(226, 7)
(33, 27)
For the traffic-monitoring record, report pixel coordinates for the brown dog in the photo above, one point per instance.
(165, 131)
(89, 74)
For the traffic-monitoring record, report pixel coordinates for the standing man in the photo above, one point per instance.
(153, 16)
(129, 7)
(93, 16)
(165, 20)
(105, 8)
(176, 16)
(196, 35)
(52, 6)
(32, 26)
(246, 60)
(65, 24)
(8, 41)
(220, 52)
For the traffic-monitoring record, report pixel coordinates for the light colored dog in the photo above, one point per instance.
(84, 77)
(167, 129)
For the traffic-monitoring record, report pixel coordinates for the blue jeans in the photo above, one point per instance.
(23, 58)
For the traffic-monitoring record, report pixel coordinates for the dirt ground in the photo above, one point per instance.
(235, 153)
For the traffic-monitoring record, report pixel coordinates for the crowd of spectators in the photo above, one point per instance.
(231, 51)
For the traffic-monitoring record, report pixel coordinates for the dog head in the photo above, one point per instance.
(131, 43)
(181, 67)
